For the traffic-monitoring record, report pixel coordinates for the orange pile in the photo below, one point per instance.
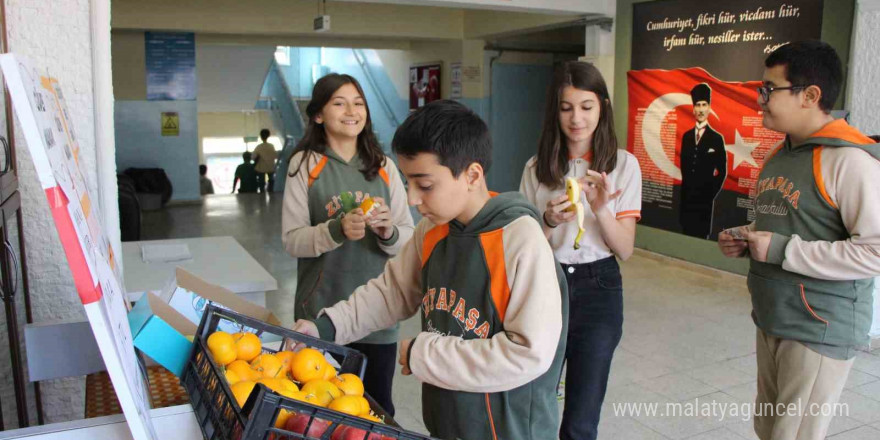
(245, 365)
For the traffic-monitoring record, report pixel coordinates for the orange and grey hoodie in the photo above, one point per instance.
(329, 266)
(494, 311)
(821, 202)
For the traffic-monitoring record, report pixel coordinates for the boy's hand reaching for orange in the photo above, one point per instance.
(307, 328)
(404, 357)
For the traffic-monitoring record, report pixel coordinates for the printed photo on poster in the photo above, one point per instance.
(424, 85)
(703, 164)
(699, 141)
(694, 122)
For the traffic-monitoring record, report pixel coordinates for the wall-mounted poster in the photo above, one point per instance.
(694, 122)
(424, 85)
(455, 80)
(54, 149)
(171, 65)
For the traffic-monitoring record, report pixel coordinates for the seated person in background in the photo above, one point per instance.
(246, 174)
(206, 186)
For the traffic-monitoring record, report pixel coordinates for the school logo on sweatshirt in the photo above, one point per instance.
(443, 301)
(345, 202)
(781, 187)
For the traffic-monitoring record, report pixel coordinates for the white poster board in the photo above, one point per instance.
(51, 140)
(455, 78)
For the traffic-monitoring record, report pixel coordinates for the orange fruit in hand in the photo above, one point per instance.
(247, 346)
(242, 390)
(307, 365)
(324, 390)
(286, 357)
(349, 384)
(347, 404)
(268, 365)
(243, 370)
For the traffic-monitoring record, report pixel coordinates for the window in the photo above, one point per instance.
(282, 55)
(223, 155)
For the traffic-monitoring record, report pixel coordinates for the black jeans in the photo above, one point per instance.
(595, 325)
(379, 376)
(261, 182)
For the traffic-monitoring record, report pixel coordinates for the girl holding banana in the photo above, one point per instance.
(590, 192)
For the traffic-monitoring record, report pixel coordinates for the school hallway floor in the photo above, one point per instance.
(687, 339)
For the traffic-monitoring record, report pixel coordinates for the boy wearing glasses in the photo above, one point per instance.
(814, 245)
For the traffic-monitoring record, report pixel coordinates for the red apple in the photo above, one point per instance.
(297, 423)
(352, 433)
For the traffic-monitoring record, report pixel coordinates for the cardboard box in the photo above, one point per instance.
(161, 323)
(161, 332)
(189, 295)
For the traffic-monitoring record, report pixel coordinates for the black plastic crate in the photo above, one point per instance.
(220, 418)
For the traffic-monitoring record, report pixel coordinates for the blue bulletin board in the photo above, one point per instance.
(171, 65)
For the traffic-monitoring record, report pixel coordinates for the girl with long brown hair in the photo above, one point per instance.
(578, 142)
(335, 168)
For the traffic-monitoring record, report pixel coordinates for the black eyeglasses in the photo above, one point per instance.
(765, 91)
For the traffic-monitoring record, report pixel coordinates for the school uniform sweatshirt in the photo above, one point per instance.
(821, 202)
(494, 310)
(330, 267)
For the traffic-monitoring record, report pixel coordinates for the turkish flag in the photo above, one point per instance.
(661, 111)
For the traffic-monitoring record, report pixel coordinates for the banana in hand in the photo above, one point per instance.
(573, 191)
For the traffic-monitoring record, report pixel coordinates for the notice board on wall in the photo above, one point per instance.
(700, 166)
(51, 139)
(171, 66)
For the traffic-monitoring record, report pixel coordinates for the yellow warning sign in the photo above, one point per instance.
(170, 124)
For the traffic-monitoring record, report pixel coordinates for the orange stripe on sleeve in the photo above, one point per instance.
(384, 175)
(432, 237)
(493, 248)
(625, 214)
(313, 175)
(817, 174)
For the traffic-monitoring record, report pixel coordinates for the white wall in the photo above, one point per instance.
(140, 144)
(56, 36)
(863, 95)
(230, 77)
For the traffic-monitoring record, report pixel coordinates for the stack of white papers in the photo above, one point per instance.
(165, 253)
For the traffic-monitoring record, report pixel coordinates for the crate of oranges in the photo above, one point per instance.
(306, 388)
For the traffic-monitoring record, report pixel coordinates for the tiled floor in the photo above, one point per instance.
(687, 336)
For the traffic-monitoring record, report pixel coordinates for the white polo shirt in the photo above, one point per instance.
(627, 176)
